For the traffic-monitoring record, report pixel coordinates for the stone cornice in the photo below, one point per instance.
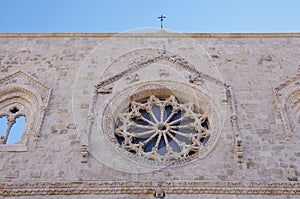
(150, 35)
(148, 187)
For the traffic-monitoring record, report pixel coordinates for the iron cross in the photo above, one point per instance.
(161, 18)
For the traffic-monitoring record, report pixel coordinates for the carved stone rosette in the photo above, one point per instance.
(155, 127)
(155, 119)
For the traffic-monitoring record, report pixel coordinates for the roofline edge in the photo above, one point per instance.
(154, 35)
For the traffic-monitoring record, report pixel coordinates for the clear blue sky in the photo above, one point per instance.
(122, 15)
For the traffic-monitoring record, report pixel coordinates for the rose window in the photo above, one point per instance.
(163, 129)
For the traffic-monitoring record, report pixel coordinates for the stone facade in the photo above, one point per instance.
(76, 91)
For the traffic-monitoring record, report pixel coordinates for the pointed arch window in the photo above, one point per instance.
(14, 111)
(20, 111)
(23, 103)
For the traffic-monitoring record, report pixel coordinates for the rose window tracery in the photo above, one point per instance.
(163, 129)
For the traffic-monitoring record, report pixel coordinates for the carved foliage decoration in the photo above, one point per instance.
(29, 97)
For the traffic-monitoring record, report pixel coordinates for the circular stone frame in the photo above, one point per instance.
(119, 102)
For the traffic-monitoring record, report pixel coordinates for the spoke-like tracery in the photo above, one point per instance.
(163, 129)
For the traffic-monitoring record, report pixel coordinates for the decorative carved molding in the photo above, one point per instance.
(132, 78)
(9, 189)
(287, 95)
(177, 60)
(234, 123)
(163, 87)
(196, 80)
(104, 90)
(159, 192)
(196, 77)
(286, 83)
(163, 130)
(20, 88)
(84, 136)
(84, 154)
(22, 74)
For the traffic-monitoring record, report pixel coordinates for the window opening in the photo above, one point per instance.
(3, 128)
(14, 110)
(16, 131)
(11, 130)
(162, 127)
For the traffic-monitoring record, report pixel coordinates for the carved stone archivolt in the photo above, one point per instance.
(155, 141)
(160, 129)
(113, 75)
(22, 95)
(287, 95)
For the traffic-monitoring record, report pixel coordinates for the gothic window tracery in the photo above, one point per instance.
(162, 129)
(23, 103)
(13, 115)
(12, 121)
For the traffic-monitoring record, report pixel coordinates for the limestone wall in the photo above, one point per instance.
(261, 71)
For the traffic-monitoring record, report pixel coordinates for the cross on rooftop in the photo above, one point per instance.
(161, 18)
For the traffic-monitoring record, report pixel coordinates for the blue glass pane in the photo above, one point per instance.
(16, 131)
(3, 126)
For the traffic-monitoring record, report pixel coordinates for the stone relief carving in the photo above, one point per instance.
(206, 140)
(287, 100)
(163, 73)
(234, 124)
(159, 192)
(84, 154)
(24, 91)
(13, 189)
(163, 129)
(195, 80)
(196, 77)
(104, 90)
(177, 60)
(132, 78)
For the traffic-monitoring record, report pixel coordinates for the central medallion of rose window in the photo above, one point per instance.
(163, 129)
